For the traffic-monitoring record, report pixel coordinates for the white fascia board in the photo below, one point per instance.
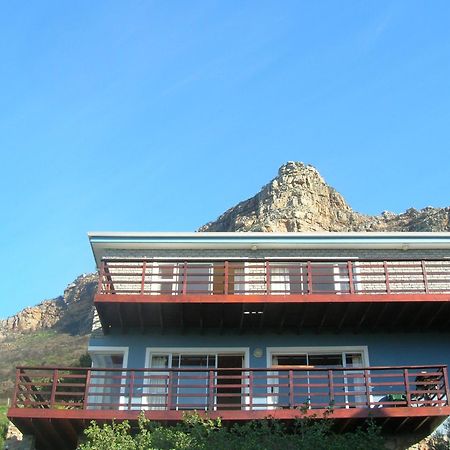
(211, 240)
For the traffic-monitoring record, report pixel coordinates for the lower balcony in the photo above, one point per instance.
(56, 404)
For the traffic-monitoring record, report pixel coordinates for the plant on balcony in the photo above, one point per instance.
(198, 433)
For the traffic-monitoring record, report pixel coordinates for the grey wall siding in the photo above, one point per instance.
(384, 349)
(280, 253)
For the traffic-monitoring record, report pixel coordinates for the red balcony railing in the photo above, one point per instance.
(169, 277)
(238, 389)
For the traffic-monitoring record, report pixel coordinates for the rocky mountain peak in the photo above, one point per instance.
(299, 199)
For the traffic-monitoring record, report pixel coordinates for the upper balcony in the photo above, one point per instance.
(294, 294)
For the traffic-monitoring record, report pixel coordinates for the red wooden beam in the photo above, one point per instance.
(344, 413)
(262, 298)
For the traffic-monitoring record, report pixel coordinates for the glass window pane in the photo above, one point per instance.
(327, 360)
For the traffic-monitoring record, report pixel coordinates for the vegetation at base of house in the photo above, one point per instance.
(4, 422)
(42, 348)
(440, 440)
(198, 433)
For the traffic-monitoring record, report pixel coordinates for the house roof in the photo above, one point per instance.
(100, 241)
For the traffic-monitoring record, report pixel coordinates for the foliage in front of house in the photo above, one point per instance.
(197, 433)
(440, 440)
(4, 422)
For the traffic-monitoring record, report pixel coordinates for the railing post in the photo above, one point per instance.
(54, 385)
(407, 390)
(447, 390)
(131, 390)
(386, 277)
(350, 277)
(250, 389)
(211, 390)
(225, 288)
(100, 277)
(267, 278)
(169, 390)
(16, 388)
(331, 386)
(184, 289)
(153, 277)
(291, 388)
(86, 389)
(144, 271)
(367, 383)
(309, 277)
(425, 277)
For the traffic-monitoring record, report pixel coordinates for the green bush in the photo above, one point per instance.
(440, 440)
(197, 433)
(4, 422)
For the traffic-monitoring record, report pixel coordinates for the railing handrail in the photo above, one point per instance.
(275, 259)
(243, 369)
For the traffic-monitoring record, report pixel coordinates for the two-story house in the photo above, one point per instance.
(250, 325)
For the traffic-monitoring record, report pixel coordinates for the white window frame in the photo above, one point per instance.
(107, 350)
(150, 351)
(99, 349)
(169, 351)
(271, 351)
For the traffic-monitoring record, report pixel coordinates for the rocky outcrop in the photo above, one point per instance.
(52, 332)
(44, 315)
(70, 313)
(299, 199)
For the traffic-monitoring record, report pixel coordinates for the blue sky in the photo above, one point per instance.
(160, 115)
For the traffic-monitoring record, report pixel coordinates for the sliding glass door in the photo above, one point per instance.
(311, 386)
(190, 389)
